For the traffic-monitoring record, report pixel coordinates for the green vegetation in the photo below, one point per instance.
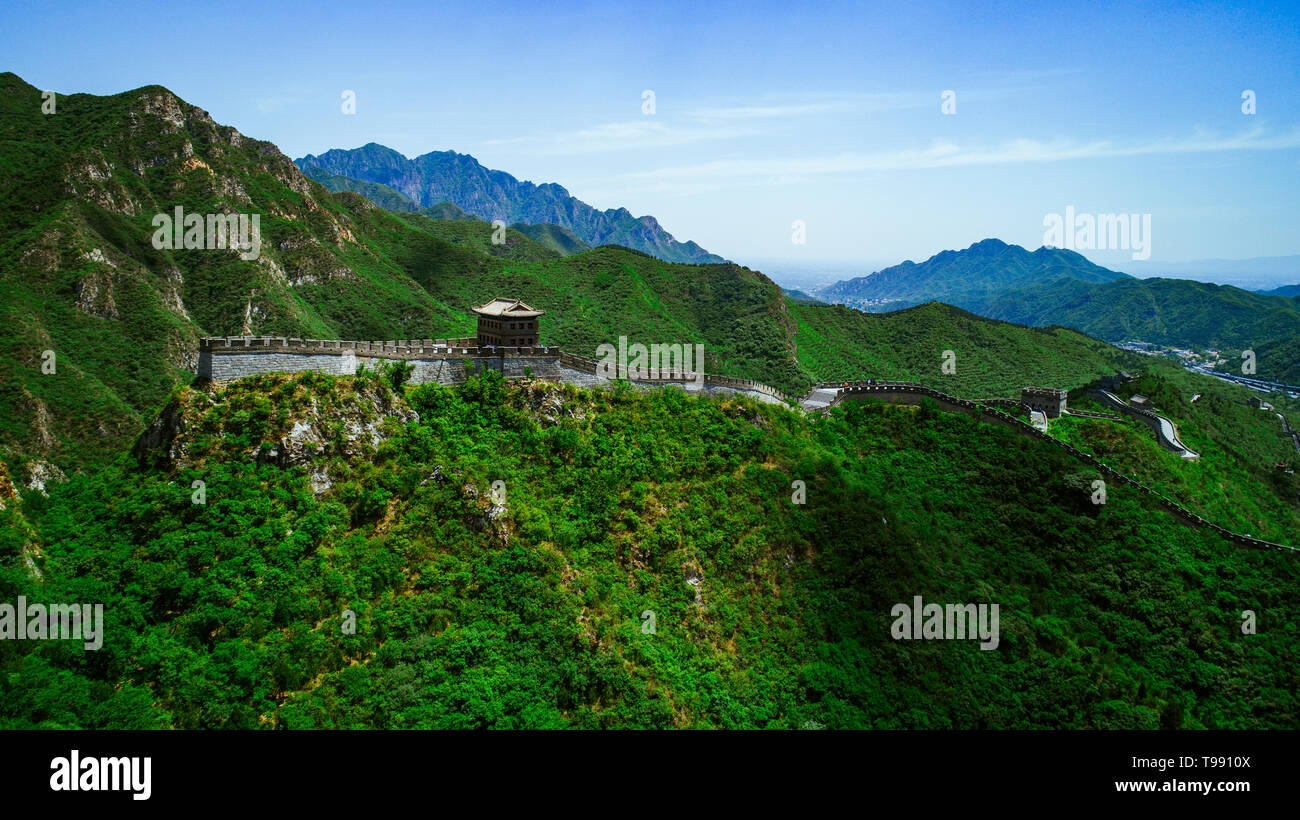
(1053, 286)
(561, 240)
(1235, 483)
(993, 359)
(231, 614)
(1169, 312)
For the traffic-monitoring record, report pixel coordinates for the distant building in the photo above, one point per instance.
(1113, 381)
(1047, 400)
(1140, 401)
(507, 323)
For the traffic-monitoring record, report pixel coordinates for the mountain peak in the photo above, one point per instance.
(990, 245)
(955, 276)
(446, 176)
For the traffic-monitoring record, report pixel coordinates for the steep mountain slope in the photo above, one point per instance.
(473, 235)
(80, 275)
(645, 568)
(1279, 360)
(459, 178)
(1165, 311)
(990, 359)
(987, 267)
(381, 195)
(557, 238)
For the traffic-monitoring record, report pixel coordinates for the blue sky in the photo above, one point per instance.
(765, 113)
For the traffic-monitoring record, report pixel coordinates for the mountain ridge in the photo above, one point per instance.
(461, 179)
(1059, 287)
(985, 266)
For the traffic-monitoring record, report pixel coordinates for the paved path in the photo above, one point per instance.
(820, 397)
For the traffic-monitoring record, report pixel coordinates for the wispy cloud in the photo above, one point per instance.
(948, 154)
(702, 122)
(813, 105)
(627, 135)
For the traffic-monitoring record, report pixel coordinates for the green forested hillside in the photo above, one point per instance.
(1235, 482)
(1176, 312)
(562, 240)
(618, 507)
(991, 359)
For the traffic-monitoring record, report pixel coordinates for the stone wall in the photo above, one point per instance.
(441, 361)
(709, 384)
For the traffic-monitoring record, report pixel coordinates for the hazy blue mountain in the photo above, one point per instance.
(985, 268)
(446, 176)
(1060, 287)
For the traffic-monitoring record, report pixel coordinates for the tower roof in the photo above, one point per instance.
(510, 308)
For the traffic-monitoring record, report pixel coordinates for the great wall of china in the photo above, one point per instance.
(450, 361)
(441, 361)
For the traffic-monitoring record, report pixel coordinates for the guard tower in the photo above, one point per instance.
(1047, 400)
(507, 323)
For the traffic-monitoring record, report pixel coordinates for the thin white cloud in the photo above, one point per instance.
(948, 155)
(703, 123)
(815, 105)
(627, 135)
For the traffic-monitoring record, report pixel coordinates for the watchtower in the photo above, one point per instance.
(1047, 400)
(507, 323)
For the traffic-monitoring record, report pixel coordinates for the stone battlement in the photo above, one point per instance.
(445, 361)
(442, 361)
(391, 349)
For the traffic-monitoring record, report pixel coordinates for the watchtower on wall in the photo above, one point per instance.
(1047, 400)
(507, 323)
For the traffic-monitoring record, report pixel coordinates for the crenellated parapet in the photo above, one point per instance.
(586, 365)
(442, 361)
(391, 349)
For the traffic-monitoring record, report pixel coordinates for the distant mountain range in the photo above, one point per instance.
(556, 237)
(446, 176)
(985, 268)
(1060, 287)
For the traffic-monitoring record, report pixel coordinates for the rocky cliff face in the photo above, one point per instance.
(446, 176)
